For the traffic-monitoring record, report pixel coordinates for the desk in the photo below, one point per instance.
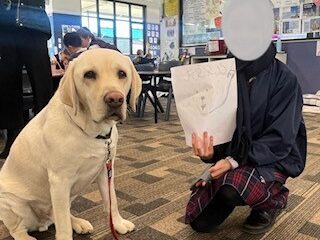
(154, 75)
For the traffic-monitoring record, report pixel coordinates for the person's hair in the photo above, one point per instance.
(85, 33)
(72, 39)
(139, 51)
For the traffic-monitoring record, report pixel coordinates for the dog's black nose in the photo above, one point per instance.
(114, 99)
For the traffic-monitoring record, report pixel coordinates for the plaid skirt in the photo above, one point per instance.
(254, 191)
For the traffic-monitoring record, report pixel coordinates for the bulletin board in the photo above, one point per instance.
(153, 39)
(295, 18)
(201, 19)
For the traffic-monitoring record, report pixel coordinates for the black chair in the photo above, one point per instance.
(147, 88)
(165, 85)
(27, 96)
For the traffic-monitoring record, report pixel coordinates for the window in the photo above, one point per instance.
(137, 36)
(118, 23)
(106, 9)
(89, 15)
(106, 30)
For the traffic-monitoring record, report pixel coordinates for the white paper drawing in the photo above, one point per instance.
(206, 98)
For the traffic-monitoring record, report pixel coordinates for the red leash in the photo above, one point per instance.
(109, 170)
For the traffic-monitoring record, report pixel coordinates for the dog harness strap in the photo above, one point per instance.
(109, 175)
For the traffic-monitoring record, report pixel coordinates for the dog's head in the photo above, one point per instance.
(98, 82)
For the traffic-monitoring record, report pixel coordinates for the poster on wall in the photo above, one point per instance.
(69, 28)
(291, 27)
(288, 3)
(311, 25)
(276, 13)
(291, 12)
(295, 18)
(310, 10)
(153, 39)
(171, 8)
(306, 26)
(315, 25)
(170, 38)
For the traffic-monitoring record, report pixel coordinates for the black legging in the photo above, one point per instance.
(226, 199)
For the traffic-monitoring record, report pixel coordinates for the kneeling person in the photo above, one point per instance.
(268, 146)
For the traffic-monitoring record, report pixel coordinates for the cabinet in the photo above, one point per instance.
(201, 59)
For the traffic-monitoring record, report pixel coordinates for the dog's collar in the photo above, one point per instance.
(107, 136)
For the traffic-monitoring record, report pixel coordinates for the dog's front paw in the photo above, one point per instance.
(81, 226)
(123, 226)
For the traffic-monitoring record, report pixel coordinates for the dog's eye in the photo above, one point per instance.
(90, 75)
(122, 74)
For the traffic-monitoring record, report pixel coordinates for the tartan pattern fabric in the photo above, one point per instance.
(251, 187)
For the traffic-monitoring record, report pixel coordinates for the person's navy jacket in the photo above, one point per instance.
(26, 14)
(277, 126)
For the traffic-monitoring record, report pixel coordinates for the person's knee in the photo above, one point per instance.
(229, 195)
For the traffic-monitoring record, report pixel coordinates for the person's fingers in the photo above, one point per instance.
(217, 173)
(216, 167)
(210, 147)
(195, 144)
(198, 184)
(193, 138)
(199, 146)
(205, 143)
(201, 184)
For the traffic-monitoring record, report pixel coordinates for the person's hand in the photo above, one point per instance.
(203, 147)
(53, 61)
(218, 170)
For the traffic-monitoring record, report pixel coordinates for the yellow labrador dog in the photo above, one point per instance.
(58, 153)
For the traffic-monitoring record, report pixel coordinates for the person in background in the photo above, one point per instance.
(24, 32)
(148, 59)
(90, 41)
(72, 44)
(268, 146)
(139, 57)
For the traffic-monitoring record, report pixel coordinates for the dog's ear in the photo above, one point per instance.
(67, 88)
(136, 86)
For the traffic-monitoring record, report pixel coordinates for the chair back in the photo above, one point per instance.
(166, 66)
(144, 67)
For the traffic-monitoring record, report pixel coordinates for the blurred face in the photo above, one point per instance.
(85, 42)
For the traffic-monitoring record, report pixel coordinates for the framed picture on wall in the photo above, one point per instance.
(291, 27)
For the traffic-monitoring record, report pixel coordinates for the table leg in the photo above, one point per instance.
(154, 93)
